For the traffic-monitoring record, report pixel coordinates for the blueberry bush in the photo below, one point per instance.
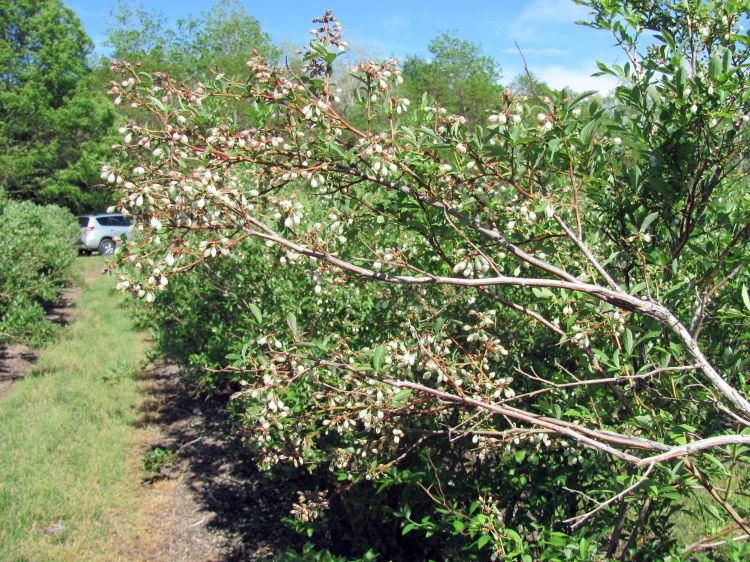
(37, 264)
(524, 337)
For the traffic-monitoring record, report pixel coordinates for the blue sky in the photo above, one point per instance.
(557, 50)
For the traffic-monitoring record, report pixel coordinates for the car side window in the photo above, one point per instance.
(104, 221)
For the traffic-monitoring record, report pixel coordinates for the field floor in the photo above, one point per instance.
(106, 455)
(208, 502)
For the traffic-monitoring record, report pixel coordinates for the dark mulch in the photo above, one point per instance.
(212, 503)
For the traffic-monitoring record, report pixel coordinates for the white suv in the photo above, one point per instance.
(103, 232)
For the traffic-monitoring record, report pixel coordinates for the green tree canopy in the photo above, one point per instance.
(458, 76)
(223, 37)
(226, 36)
(528, 84)
(136, 33)
(50, 121)
(42, 44)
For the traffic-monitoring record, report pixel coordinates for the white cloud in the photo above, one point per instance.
(549, 11)
(559, 77)
(543, 19)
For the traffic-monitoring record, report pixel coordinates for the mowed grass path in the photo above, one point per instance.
(67, 433)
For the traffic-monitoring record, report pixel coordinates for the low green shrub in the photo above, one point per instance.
(36, 265)
(157, 459)
(309, 554)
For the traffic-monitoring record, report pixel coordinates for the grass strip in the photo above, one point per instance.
(66, 433)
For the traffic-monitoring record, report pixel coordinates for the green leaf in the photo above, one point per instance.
(610, 259)
(401, 395)
(716, 462)
(638, 287)
(745, 297)
(458, 526)
(256, 312)
(483, 540)
(319, 48)
(680, 74)
(245, 350)
(542, 293)
(712, 509)
(334, 147)
(648, 220)
(291, 320)
(580, 97)
(583, 549)
(587, 133)
(408, 528)
(604, 69)
(726, 61)
(714, 66)
(627, 340)
(377, 357)
(157, 102)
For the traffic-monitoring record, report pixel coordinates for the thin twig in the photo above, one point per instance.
(581, 519)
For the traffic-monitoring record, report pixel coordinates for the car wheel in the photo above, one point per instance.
(107, 247)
